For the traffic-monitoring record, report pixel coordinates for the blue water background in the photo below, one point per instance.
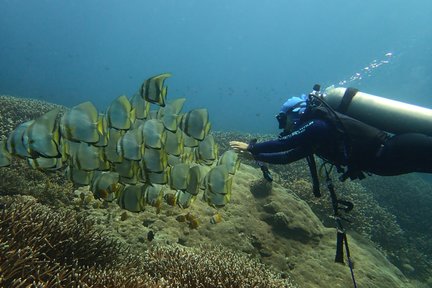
(239, 58)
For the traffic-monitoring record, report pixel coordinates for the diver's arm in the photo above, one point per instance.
(283, 157)
(311, 132)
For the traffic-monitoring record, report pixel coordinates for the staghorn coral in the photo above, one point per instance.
(14, 111)
(40, 247)
(210, 267)
(50, 188)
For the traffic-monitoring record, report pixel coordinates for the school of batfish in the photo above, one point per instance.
(131, 154)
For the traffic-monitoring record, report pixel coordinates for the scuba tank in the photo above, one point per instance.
(385, 114)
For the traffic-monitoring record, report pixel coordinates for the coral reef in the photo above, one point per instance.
(15, 110)
(263, 223)
(381, 213)
(408, 198)
(210, 267)
(50, 188)
(43, 247)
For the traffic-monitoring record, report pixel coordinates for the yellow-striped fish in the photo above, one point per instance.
(81, 124)
(179, 176)
(231, 160)
(140, 106)
(153, 89)
(171, 114)
(44, 135)
(195, 123)
(17, 142)
(218, 186)
(120, 114)
(154, 133)
(132, 198)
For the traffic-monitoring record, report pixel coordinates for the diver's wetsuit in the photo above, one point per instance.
(296, 145)
(404, 153)
(399, 154)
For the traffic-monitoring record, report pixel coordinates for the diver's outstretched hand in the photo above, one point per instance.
(241, 149)
(239, 146)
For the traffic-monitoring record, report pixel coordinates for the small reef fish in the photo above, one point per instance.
(216, 218)
(192, 220)
(170, 199)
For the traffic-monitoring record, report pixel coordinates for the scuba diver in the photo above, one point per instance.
(311, 126)
(398, 141)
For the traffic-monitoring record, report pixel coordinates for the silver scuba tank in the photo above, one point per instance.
(385, 114)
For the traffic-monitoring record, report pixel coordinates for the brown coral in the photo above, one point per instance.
(14, 111)
(42, 247)
(39, 246)
(48, 187)
(210, 267)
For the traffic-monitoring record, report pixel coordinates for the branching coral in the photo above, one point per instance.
(40, 247)
(14, 110)
(210, 267)
(48, 187)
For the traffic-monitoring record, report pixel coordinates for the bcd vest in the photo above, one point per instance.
(357, 142)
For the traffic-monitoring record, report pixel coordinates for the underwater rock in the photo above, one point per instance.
(293, 222)
(261, 188)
